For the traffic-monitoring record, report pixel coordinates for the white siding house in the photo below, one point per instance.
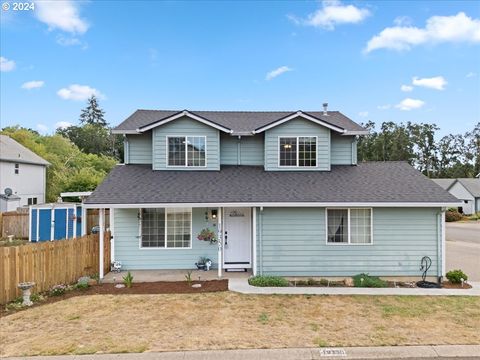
(465, 189)
(23, 171)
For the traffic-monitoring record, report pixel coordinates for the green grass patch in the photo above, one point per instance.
(268, 281)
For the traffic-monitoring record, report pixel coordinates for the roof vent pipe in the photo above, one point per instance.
(325, 107)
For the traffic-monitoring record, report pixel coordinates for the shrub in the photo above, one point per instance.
(83, 283)
(262, 281)
(452, 215)
(456, 276)
(365, 280)
(188, 278)
(58, 290)
(128, 280)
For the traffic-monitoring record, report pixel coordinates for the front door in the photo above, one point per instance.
(237, 238)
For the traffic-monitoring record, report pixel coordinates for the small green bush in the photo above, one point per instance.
(452, 215)
(456, 276)
(82, 286)
(128, 280)
(365, 280)
(267, 281)
(58, 290)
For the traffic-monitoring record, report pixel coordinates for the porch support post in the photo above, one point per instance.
(254, 233)
(220, 240)
(101, 238)
(444, 270)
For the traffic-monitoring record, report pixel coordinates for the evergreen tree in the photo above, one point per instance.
(93, 114)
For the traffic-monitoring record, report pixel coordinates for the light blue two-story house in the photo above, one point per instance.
(283, 191)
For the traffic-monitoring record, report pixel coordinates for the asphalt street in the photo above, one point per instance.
(463, 248)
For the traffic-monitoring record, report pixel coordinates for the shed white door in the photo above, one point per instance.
(237, 238)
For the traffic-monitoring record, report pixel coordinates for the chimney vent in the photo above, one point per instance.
(325, 107)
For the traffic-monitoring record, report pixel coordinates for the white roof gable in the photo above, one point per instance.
(12, 151)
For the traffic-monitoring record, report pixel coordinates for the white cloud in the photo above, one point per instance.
(6, 65)
(403, 21)
(71, 41)
(410, 104)
(333, 13)
(471, 74)
(34, 84)
(363, 113)
(279, 71)
(437, 82)
(79, 92)
(62, 125)
(61, 14)
(438, 29)
(384, 107)
(42, 128)
(406, 88)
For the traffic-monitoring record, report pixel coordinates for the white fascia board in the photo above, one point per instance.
(359, 132)
(305, 116)
(278, 204)
(124, 132)
(179, 115)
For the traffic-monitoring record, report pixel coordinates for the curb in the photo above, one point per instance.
(364, 353)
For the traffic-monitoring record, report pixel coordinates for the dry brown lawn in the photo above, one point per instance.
(136, 323)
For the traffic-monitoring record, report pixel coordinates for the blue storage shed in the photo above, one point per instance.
(55, 221)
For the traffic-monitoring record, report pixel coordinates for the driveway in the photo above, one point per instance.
(463, 248)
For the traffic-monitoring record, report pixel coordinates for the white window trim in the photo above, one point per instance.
(298, 153)
(349, 243)
(165, 246)
(186, 152)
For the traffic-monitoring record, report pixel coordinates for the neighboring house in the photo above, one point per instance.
(23, 171)
(465, 189)
(283, 190)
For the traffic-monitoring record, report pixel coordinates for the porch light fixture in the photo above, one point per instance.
(287, 146)
(214, 213)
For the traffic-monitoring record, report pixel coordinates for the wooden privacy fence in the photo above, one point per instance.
(50, 263)
(14, 223)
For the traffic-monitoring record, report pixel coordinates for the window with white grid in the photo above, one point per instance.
(299, 151)
(189, 151)
(307, 151)
(360, 226)
(166, 228)
(349, 226)
(153, 228)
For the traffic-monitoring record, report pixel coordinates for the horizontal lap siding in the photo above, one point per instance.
(140, 148)
(185, 127)
(298, 127)
(294, 244)
(342, 150)
(132, 257)
(251, 150)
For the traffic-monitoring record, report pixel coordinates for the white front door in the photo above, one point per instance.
(237, 238)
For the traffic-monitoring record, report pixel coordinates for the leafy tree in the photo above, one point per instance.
(93, 114)
(70, 169)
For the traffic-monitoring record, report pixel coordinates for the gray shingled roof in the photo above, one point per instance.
(12, 151)
(444, 183)
(367, 182)
(238, 121)
(472, 185)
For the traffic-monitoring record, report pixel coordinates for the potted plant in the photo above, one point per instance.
(207, 235)
(203, 264)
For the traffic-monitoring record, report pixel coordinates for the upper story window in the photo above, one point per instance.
(349, 226)
(17, 168)
(297, 151)
(32, 201)
(187, 151)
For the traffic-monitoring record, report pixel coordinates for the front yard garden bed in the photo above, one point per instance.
(158, 287)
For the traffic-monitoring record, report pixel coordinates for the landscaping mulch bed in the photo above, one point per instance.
(158, 287)
(449, 285)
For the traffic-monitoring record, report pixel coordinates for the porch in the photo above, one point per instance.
(174, 275)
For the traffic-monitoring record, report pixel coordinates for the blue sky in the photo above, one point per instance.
(372, 60)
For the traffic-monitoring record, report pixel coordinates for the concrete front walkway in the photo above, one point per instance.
(385, 352)
(173, 275)
(241, 285)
